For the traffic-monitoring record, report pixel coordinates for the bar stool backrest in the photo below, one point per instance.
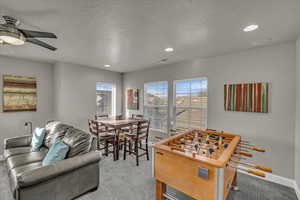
(94, 127)
(137, 116)
(99, 117)
(143, 129)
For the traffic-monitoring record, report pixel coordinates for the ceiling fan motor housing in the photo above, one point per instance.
(11, 20)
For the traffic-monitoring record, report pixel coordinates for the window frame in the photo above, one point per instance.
(174, 106)
(113, 99)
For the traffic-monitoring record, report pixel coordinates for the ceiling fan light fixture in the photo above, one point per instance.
(12, 38)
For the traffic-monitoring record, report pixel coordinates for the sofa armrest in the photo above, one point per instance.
(48, 172)
(22, 141)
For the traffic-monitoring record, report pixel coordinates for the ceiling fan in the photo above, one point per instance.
(11, 34)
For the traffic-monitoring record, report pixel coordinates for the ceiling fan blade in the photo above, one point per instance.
(40, 43)
(37, 34)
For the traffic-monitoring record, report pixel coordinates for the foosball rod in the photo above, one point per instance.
(177, 147)
(209, 137)
(243, 152)
(254, 148)
(221, 132)
(248, 146)
(212, 146)
(243, 144)
(266, 169)
(250, 171)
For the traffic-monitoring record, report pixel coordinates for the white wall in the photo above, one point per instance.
(75, 92)
(274, 64)
(12, 123)
(297, 129)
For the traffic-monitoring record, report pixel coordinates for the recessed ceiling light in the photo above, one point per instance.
(251, 27)
(169, 49)
(106, 65)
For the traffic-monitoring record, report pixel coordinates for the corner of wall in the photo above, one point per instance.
(297, 118)
(57, 88)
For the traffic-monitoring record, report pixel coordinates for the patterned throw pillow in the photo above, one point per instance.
(78, 141)
(38, 136)
(55, 130)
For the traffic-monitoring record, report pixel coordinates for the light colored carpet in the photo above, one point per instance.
(122, 180)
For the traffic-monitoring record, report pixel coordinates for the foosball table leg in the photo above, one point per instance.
(234, 183)
(160, 190)
(219, 184)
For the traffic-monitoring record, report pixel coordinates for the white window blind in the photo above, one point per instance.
(156, 105)
(105, 98)
(190, 103)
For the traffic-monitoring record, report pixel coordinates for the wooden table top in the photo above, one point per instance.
(117, 123)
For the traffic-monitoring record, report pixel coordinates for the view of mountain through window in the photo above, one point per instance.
(156, 105)
(104, 98)
(190, 106)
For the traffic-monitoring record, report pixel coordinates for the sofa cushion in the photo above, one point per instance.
(26, 158)
(15, 151)
(78, 141)
(55, 130)
(17, 171)
(57, 152)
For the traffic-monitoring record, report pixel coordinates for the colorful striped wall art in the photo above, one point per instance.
(248, 97)
(19, 93)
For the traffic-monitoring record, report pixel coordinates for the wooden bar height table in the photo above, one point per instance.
(118, 125)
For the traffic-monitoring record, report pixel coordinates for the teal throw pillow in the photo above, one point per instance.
(38, 136)
(57, 152)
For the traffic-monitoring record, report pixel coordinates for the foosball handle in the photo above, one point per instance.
(266, 169)
(259, 149)
(257, 173)
(246, 154)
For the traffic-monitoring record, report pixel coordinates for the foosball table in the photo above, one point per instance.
(202, 164)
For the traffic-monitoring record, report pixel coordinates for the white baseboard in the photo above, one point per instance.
(276, 179)
(272, 178)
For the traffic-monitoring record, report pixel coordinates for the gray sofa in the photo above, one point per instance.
(63, 180)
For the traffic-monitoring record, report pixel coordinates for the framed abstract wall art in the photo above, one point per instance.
(248, 97)
(19, 93)
(133, 99)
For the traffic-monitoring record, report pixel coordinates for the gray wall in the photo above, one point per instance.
(75, 92)
(297, 131)
(12, 124)
(274, 64)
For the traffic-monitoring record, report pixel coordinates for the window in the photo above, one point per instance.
(190, 103)
(156, 105)
(105, 99)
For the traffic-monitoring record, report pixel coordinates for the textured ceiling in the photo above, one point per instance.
(131, 34)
